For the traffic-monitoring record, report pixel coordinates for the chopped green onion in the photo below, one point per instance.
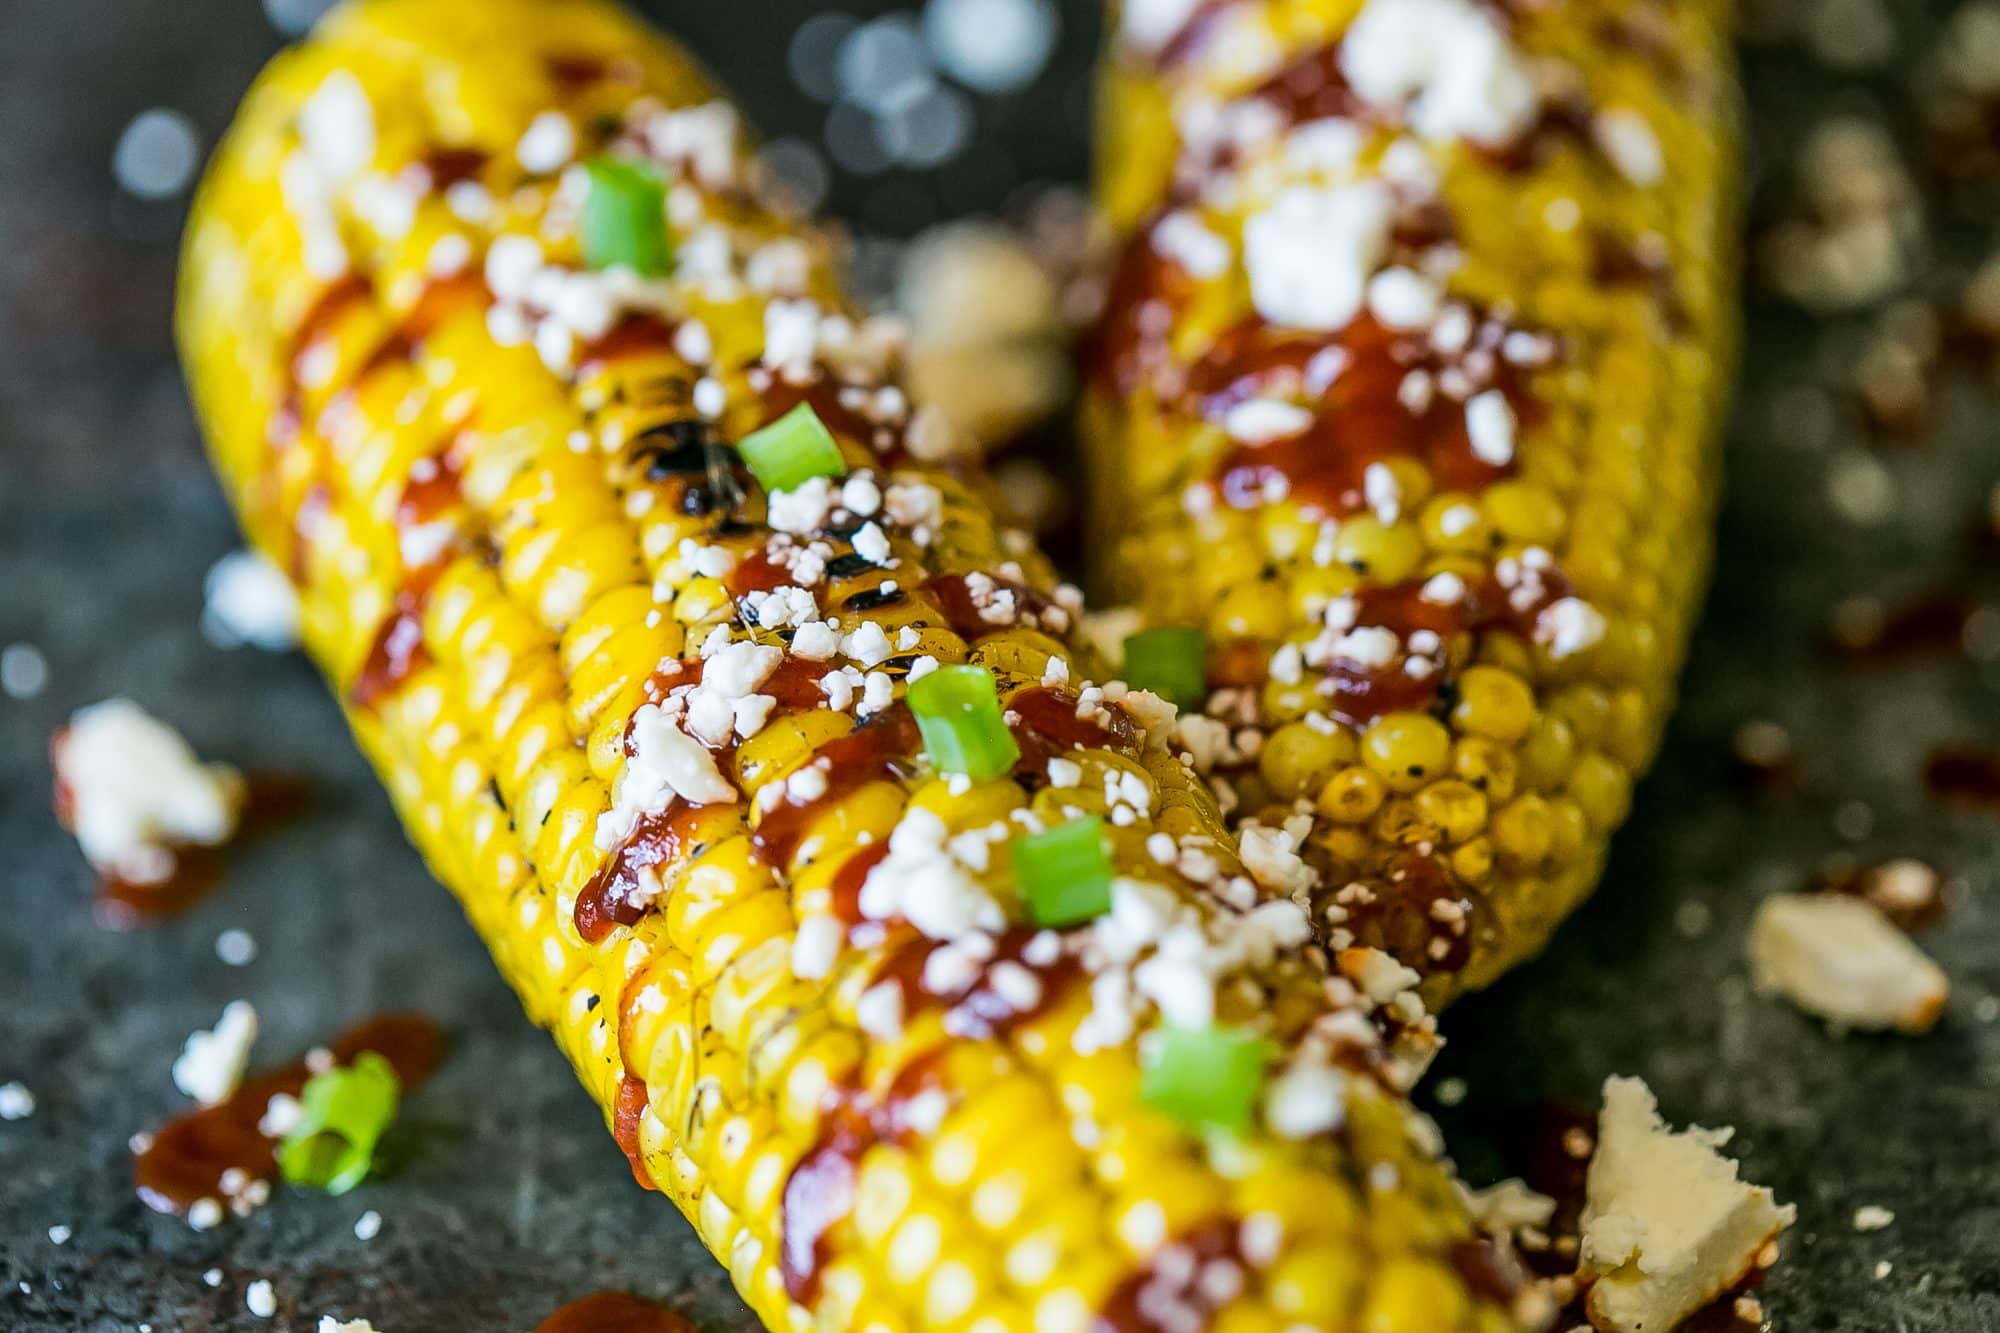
(1064, 872)
(958, 710)
(625, 218)
(342, 1114)
(792, 450)
(1172, 663)
(1206, 1078)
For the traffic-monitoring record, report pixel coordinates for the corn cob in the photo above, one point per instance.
(616, 691)
(1408, 387)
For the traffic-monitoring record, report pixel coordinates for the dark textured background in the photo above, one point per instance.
(513, 1199)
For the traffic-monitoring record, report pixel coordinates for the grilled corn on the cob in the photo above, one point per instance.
(1414, 360)
(647, 718)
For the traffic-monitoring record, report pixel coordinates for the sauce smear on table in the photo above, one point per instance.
(185, 1161)
(613, 1312)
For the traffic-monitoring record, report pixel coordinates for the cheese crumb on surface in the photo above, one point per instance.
(249, 600)
(1310, 254)
(1840, 958)
(329, 1324)
(1450, 61)
(211, 1063)
(260, 1299)
(1667, 1225)
(1872, 1217)
(368, 1226)
(135, 790)
(16, 1102)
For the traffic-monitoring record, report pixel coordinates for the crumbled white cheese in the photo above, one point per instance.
(212, 1061)
(249, 600)
(1310, 253)
(1838, 957)
(548, 143)
(1450, 61)
(16, 1102)
(1308, 1098)
(1631, 145)
(260, 1299)
(1261, 420)
(816, 947)
(666, 762)
(329, 1324)
(136, 790)
(368, 1226)
(281, 1116)
(337, 126)
(1490, 425)
(1181, 237)
(1402, 298)
(922, 882)
(803, 509)
(1271, 855)
(872, 544)
(1568, 626)
(1667, 1225)
(1872, 1217)
(1508, 1207)
(815, 641)
(869, 645)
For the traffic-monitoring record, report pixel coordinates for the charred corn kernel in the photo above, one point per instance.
(1479, 466)
(645, 719)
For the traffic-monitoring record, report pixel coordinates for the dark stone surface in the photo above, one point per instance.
(513, 1198)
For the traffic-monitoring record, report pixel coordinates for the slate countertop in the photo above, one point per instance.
(512, 1198)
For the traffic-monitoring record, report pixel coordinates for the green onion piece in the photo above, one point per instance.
(625, 218)
(342, 1114)
(1172, 663)
(1064, 872)
(792, 450)
(958, 711)
(1206, 1078)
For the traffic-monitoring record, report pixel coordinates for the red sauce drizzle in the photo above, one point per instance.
(397, 653)
(1172, 1282)
(619, 893)
(1045, 726)
(613, 1312)
(271, 799)
(1933, 624)
(1966, 775)
(1358, 695)
(186, 1159)
(1617, 262)
(953, 595)
(820, 1192)
(979, 1011)
(1873, 883)
(847, 882)
(881, 749)
(573, 73)
(635, 334)
(1358, 419)
(1400, 919)
(449, 166)
(758, 572)
(1127, 346)
(625, 1114)
(320, 317)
